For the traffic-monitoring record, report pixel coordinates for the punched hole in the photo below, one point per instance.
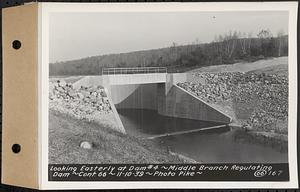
(16, 44)
(16, 148)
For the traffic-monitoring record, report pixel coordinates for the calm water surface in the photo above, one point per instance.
(212, 146)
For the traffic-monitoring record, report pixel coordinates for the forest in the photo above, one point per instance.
(228, 48)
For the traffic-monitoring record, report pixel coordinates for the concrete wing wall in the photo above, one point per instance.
(120, 126)
(180, 103)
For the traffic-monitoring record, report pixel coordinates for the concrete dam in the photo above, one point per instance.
(152, 89)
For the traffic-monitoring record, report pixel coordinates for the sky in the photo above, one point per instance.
(79, 35)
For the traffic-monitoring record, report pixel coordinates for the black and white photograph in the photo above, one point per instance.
(188, 87)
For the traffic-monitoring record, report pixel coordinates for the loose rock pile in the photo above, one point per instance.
(217, 86)
(265, 95)
(85, 103)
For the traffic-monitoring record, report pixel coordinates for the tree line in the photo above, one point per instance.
(225, 49)
(235, 47)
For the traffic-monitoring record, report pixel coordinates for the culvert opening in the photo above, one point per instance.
(148, 110)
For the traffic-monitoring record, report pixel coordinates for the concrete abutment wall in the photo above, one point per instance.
(135, 96)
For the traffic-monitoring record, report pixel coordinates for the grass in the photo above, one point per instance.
(66, 134)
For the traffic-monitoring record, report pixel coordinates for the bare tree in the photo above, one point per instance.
(265, 34)
(249, 41)
(280, 35)
(243, 42)
(230, 40)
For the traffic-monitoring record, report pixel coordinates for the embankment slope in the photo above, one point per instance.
(109, 146)
(260, 65)
(254, 94)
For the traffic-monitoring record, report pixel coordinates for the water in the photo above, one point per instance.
(211, 146)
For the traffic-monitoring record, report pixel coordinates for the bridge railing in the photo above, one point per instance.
(133, 70)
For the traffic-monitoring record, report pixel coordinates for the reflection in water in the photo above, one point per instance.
(148, 122)
(212, 146)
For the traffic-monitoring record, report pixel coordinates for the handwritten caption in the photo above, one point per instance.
(151, 171)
